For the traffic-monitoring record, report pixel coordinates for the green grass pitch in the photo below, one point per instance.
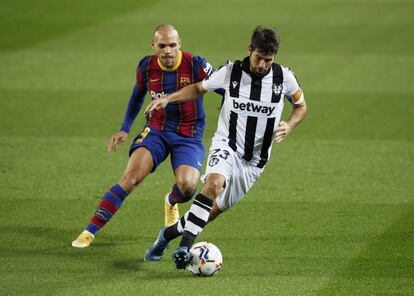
(333, 213)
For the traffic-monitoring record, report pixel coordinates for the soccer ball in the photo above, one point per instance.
(207, 259)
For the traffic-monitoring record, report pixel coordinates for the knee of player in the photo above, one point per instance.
(212, 186)
(183, 194)
(133, 179)
(186, 186)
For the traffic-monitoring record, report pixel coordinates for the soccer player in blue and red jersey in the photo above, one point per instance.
(176, 130)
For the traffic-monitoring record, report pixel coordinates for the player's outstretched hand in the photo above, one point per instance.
(282, 131)
(116, 139)
(155, 105)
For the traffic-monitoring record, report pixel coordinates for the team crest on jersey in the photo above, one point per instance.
(185, 81)
(277, 88)
(213, 161)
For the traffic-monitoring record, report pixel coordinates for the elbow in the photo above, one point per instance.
(303, 106)
(300, 110)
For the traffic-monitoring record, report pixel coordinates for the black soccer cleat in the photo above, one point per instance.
(181, 257)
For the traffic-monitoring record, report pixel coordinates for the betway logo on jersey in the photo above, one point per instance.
(253, 107)
(157, 96)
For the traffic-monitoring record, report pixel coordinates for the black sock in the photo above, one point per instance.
(188, 239)
(172, 232)
(196, 219)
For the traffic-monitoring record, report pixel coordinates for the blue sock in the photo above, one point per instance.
(109, 205)
(176, 196)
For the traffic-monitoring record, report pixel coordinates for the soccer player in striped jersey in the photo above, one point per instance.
(176, 130)
(249, 123)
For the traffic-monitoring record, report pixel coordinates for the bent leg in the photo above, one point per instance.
(139, 166)
(213, 185)
(175, 230)
(197, 218)
(183, 190)
(199, 212)
(187, 155)
(186, 178)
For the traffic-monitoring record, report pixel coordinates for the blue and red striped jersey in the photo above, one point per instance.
(186, 118)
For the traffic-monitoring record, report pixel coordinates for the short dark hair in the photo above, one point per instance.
(265, 40)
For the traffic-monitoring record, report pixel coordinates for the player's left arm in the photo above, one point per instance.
(299, 108)
(296, 116)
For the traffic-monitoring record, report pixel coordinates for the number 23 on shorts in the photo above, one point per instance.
(216, 154)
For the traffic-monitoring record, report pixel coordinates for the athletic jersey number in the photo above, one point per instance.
(216, 155)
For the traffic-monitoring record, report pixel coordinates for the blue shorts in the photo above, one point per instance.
(184, 150)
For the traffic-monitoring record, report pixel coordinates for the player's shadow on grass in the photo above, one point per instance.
(153, 270)
(49, 240)
(27, 241)
(131, 264)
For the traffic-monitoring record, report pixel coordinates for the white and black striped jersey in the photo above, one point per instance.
(252, 107)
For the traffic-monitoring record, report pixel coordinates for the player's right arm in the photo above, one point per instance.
(134, 106)
(190, 92)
